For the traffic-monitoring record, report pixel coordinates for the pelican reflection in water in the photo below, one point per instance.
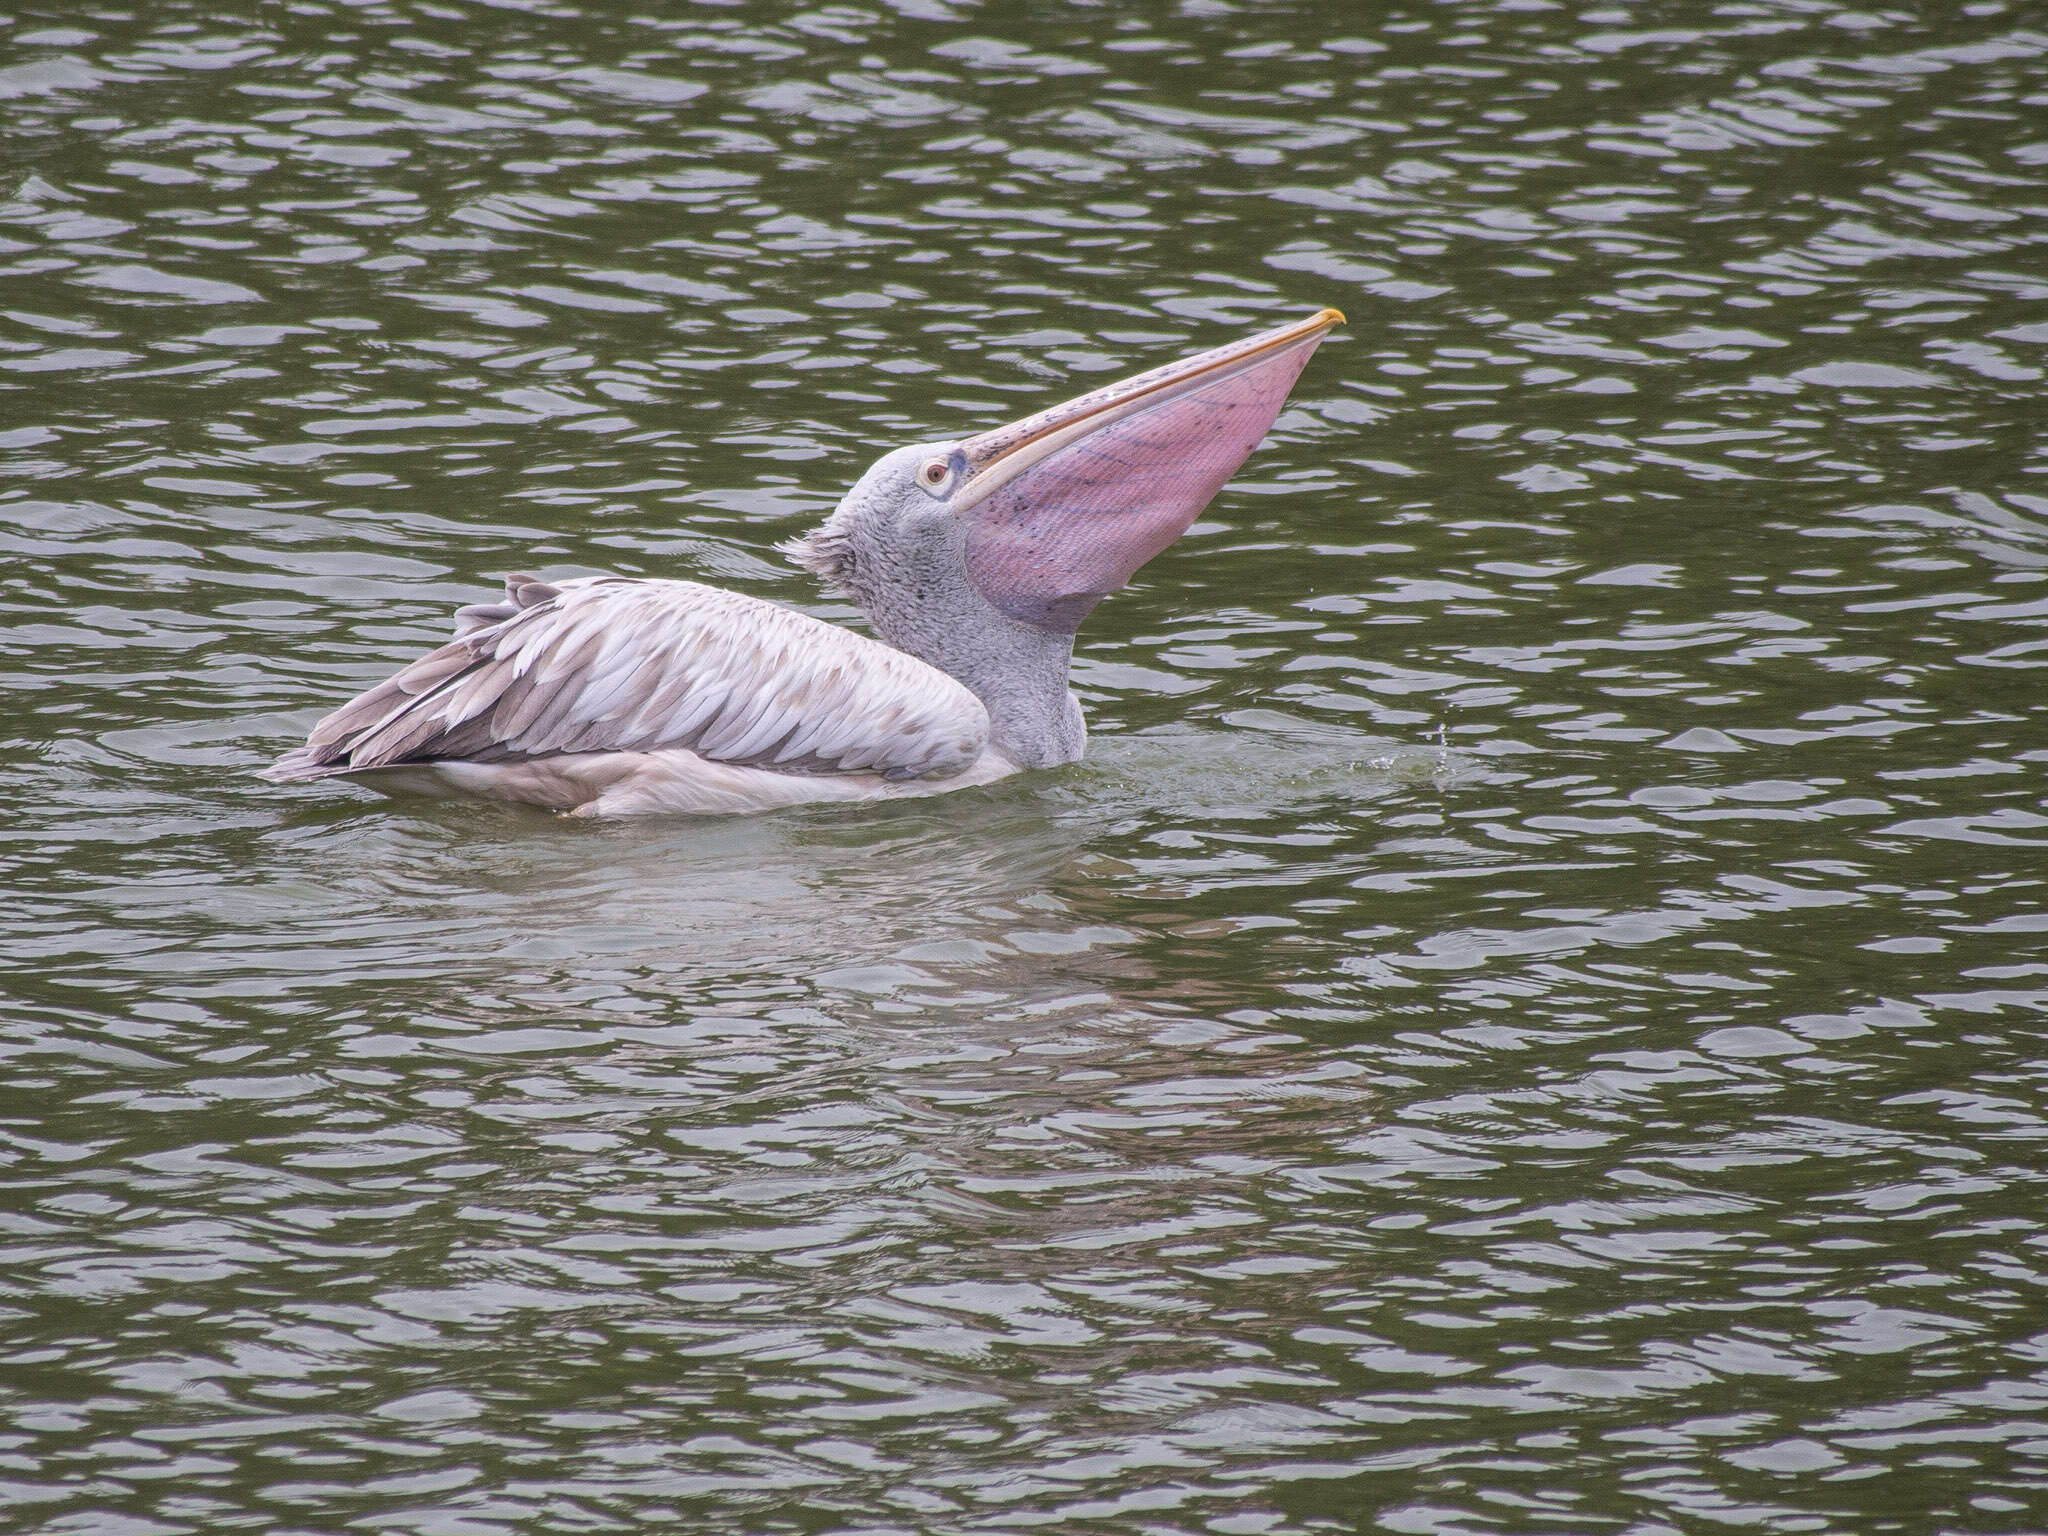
(975, 561)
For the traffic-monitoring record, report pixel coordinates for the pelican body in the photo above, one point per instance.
(975, 562)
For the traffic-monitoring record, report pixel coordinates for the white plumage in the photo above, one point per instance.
(975, 561)
(606, 695)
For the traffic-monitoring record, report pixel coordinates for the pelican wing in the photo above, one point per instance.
(611, 664)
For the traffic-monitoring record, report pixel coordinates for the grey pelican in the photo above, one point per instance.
(975, 561)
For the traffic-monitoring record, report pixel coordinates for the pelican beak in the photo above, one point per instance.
(1065, 505)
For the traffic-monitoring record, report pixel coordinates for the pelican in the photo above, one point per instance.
(975, 562)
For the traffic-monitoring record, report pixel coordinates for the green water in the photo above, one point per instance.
(1529, 1020)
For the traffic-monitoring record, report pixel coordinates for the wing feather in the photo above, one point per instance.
(519, 705)
(608, 664)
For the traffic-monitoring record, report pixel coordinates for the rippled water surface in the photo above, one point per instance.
(1530, 1018)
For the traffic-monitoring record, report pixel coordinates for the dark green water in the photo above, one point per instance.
(1530, 1020)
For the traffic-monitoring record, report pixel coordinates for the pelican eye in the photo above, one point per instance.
(935, 475)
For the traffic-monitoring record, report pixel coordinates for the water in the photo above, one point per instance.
(1529, 1019)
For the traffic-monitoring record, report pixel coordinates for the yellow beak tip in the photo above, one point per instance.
(1330, 316)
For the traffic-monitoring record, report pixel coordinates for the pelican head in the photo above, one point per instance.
(982, 556)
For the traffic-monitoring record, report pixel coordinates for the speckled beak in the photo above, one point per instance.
(1065, 505)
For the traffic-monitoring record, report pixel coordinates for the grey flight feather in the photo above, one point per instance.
(611, 664)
